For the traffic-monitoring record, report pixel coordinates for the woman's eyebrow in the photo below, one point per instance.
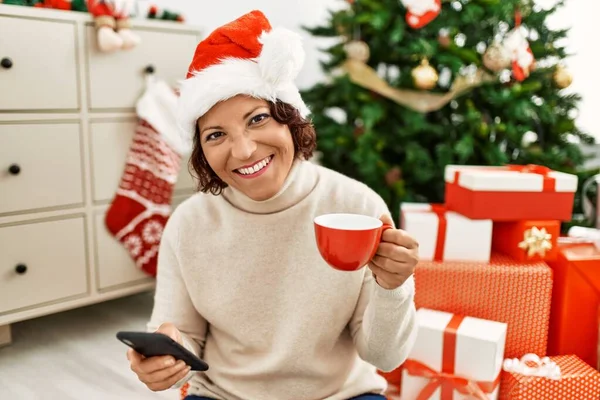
(210, 127)
(245, 116)
(251, 111)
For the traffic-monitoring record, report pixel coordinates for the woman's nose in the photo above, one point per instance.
(243, 147)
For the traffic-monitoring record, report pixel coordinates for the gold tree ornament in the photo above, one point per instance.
(357, 50)
(562, 77)
(425, 76)
(496, 57)
(536, 241)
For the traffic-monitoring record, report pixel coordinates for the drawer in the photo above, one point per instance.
(116, 80)
(40, 166)
(42, 262)
(44, 72)
(114, 264)
(110, 142)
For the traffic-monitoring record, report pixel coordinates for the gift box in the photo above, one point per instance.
(504, 290)
(453, 356)
(446, 235)
(526, 240)
(575, 302)
(510, 193)
(572, 380)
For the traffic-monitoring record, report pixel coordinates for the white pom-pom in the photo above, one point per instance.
(282, 56)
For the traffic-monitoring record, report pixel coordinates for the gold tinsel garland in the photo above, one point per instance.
(422, 101)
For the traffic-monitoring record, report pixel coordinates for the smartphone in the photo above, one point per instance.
(151, 344)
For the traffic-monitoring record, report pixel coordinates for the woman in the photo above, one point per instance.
(240, 280)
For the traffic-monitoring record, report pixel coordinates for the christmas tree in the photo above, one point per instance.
(415, 85)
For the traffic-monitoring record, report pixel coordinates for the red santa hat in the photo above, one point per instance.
(245, 56)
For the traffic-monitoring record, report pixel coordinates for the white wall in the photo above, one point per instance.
(582, 18)
(580, 15)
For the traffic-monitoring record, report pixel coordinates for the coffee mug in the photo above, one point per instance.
(347, 242)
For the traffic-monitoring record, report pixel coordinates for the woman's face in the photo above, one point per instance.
(246, 147)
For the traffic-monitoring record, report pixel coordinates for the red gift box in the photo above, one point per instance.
(510, 193)
(575, 302)
(578, 381)
(503, 290)
(526, 240)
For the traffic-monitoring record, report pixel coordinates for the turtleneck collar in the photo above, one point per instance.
(300, 182)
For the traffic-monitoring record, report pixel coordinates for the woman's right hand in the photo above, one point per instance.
(160, 372)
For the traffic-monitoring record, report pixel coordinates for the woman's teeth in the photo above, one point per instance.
(256, 167)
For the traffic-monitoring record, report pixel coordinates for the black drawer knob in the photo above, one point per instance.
(14, 169)
(150, 69)
(21, 269)
(6, 63)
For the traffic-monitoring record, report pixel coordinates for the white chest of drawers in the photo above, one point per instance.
(66, 120)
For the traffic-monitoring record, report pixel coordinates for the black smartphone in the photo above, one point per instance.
(151, 344)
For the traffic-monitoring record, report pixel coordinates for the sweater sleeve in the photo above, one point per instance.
(172, 302)
(383, 326)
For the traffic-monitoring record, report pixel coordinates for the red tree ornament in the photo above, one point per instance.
(522, 59)
(421, 12)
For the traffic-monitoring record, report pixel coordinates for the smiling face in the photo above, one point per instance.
(246, 147)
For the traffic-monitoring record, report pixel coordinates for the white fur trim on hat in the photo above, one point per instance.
(282, 55)
(270, 77)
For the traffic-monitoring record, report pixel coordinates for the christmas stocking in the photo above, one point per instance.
(141, 205)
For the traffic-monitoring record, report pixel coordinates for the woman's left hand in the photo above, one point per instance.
(396, 257)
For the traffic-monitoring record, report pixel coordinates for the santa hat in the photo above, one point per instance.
(245, 56)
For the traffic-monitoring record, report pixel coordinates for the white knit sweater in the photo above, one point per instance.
(245, 284)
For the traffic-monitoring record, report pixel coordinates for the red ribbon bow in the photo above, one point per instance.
(549, 182)
(447, 381)
(530, 168)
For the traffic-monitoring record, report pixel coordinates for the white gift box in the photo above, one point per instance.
(446, 235)
(459, 347)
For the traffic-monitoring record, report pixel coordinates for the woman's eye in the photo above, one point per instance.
(213, 136)
(259, 118)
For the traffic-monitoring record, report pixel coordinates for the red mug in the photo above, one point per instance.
(347, 242)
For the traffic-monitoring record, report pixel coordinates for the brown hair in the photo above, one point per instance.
(303, 135)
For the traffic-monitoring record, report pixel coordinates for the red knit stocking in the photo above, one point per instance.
(141, 206)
